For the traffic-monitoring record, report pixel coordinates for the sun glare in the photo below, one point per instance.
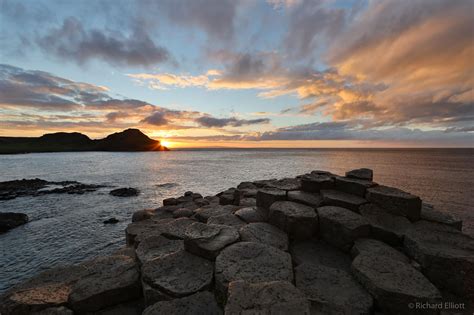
(166, 143)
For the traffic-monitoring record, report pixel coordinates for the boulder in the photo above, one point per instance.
(332, 290)
(395, 201)
(142, 215)
(273, 297)
(298, 220)
(141, 227)
(178, 274)
(342, 199)
(248, 202)
(157, 246)
(371, 247)
(430, 213)
(207, 240)
(204, 213)
(125, 192)
(445, 255)
(316, 182)
(341, 227)
(266, 197)
(227, 219)
(165, 212)
(353, 186)
(264, 233)
(10, 220)
(361, 173)
(182, 213)
(201, 303)
(287, 184)
(251, 214)
(176, 229)
(229, 197)
(395, 285)
(111, 221)
(170, 202)
(306, 198)
(254, 262)
(385, 226)
(318, 252)
(113, 280)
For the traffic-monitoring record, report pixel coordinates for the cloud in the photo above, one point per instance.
(211, 122)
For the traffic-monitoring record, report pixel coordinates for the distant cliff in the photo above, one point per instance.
(127, 140)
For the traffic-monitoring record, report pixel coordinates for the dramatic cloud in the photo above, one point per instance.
(210, 122)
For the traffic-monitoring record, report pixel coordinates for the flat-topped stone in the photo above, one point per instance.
(445, 255)
(298, 220)
(287, 184)
(248, 202)
(141, 227)
(394, 284)
(332, 290)
(353, 186)
(342, 199)
(395, 201)
(251, 214)
(316, 182)
(229, 197)
(176, 228)
(266, 197)
(178, 274)
(182, 213)
(341, 227)
(371, 247)
(361, 173)
(273, 297)
(319, 252)
(306, 198)
(430, 213)
(254, 262)
(385, 226)
(201, 303)
(207, 240)
(204, 213)
(144, 214)
(264, 233)
(157, 246)
(227, 219)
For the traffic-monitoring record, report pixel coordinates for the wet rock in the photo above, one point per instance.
(207, 240)
(332, 290)
(11, 220)
(445, 255)
(248, 202)
(371, 247)
(395, 201)
(252, 262)
(227, 219)
(264, 233)
(170, 202)
(341, 227)
(251, 214)
(144, 214)
(201, 303)
(394, 284)
(115, 279)
(178, 274)
(316, 183)
(266, 197)
(286, 184)
(111, 221)
(342, 199)
(298, 220)
(385, 226)
(430, 213)
(176, 229)
(125, 192)
(306, 198)
(361, 173)
(157, 246)
(318, 252)
(204, 213)
(273, 297)
(182, 213)
(353, 186)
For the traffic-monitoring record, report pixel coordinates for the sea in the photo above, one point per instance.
(66, 229)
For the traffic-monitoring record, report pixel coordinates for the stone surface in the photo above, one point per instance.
(361, 173)
(298, 220)
(55, 311)
(144, 214)
(306, 198)
(445, 255)
(201, 303)
(318, 252)
(316, 182)
(183, 213)
(115, 279)
(227, 219)
(178, 274)
(229, 197)
(332, 290)
(170, 202)
(385, 226)
(353, 186)
(253, 262)
(204, 213)
(248, 202)
(251, 214)
(207, 240)
(10, 220)
(341, 227)
(129, 308)
(394, 284)
(274, 297)
(342, 199)
(266, 197)
(157, 246)
(137, 228)
(287, 184)
(395, 201)
(371, 247)
(430, 213)
(264, 233)
(125, 192)
(176, 229)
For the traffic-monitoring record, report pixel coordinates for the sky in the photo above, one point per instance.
(241, 73)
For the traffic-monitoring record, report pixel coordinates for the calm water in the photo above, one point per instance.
(68, 228)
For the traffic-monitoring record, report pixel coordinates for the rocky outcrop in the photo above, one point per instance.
(341, 199)
(125, 192)
(298, 220)
(395, 201)
(11, 220)
(199, 303)
(261, 232)
(361, 173)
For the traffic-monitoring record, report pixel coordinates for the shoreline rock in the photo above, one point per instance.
(11, 220)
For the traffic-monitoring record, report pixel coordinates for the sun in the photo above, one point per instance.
(166, 143)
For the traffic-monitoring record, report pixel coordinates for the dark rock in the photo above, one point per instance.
(111, 221)
(165, 212)
(361, 173)
(306, 198)
(248, 202)
(176, 229)
(353, 186)
(157, 246)
(125, 192)
(332, 290)
(201, 303)
(299, 221)
(11, 220)
(178, 274)
(196, 196)
(319, 253)
(367, 246)
(183, 213)
(394, 284)
(430, 213)
(188, 193)
(287, 184)
(341, 227)
(125, 251)
(274, 297)
(395, 201)
(264, 233)
(342, 199)
(204, 213)
(201, 202)
(315, 182)
(141, 227)
(134, 307)
(252, 262)
(227, 219)
(170, 202)
(144, 214)
(55, 311)
(266, 197)
(251, 214)
(207, 240)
